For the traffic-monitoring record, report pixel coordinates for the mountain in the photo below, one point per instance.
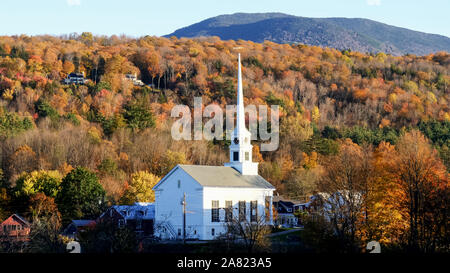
(341, 33)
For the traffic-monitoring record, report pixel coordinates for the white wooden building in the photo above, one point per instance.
(197, 201)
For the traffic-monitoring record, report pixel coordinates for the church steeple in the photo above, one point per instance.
(241, 147)
(240, 114)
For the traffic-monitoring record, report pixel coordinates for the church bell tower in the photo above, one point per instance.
(241, 147)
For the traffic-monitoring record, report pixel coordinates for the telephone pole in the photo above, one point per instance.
(184, 218)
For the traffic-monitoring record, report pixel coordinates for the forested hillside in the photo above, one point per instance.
(357, 34)
(375, 113)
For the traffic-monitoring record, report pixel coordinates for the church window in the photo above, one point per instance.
(228, 211)
(235, 156)
(267, 210)
(179, 183)
(215, 211)
(213, 231)
(253, 211)
(247, 156)
(242, 209)
(179, 232)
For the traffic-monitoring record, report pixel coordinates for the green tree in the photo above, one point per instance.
(138, 117)
(81, 195)
(19, 52)
(107, 167)
(11, 124)
(44, 109)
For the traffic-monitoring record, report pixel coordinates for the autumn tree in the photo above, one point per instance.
(68, 67)
(46, 182)
(386, 219)
(24, 159)
(302, 183)
(42, 206)
(170, 160)
(424, 180)
(344, 188)
(140, 188)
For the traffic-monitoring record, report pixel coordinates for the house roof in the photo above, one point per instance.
(284, 206)
(222, 176)
(20, 219)
(282, 198)
(82, 223)
(76, 75)
(140, 210)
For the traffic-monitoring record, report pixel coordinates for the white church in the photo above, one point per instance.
(196, 202)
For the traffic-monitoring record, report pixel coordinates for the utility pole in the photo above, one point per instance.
(184, 218)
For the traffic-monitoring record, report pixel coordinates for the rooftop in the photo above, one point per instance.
(82, 223)
(222, 176)
(141, 210)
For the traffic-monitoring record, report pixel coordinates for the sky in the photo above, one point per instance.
(149, 17)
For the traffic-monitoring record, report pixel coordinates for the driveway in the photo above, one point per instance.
(284, 232)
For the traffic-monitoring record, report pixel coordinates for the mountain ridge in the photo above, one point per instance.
(357, 34)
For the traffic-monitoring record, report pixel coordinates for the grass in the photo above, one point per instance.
(287, 237)
(276, 229)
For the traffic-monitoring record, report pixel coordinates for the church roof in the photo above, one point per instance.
(222, 176)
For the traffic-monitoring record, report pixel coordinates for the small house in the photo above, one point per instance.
(134, 80)
(286, 209)
(138, 217)
(78, 226)
(75, 78)
(15, 228)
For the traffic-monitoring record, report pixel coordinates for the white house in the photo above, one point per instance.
(197, 201)
(75, 78)
(286, 209)
(133, 78)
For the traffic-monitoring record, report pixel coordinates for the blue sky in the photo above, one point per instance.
(150, 17)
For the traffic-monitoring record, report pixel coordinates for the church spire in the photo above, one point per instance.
(240, 115)
(241, 147)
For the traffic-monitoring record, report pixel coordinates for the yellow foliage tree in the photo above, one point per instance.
(140, 188)
(171, 159)
(315, 115)
(47, 182)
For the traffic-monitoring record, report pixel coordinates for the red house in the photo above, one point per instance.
(15, 228)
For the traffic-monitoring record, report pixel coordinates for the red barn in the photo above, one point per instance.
(15, 228)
